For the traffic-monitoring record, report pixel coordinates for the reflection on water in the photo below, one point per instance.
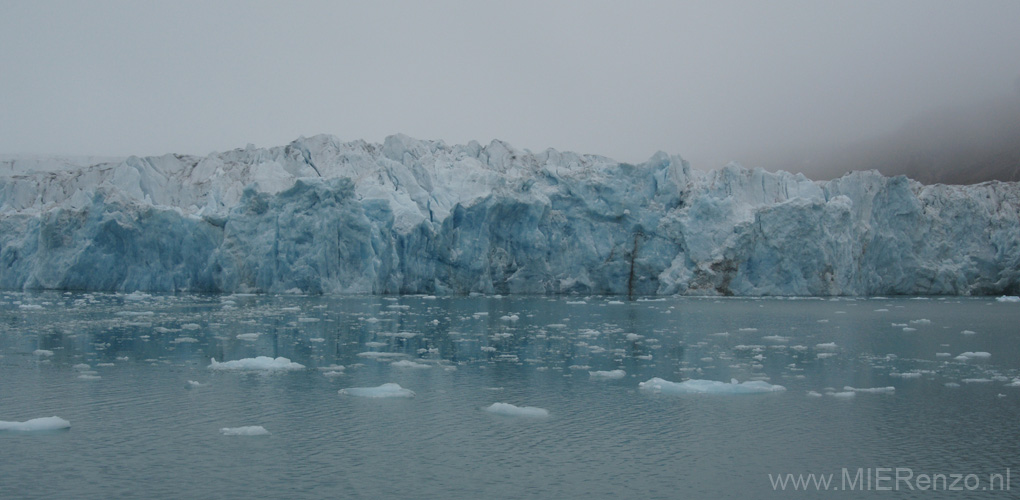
(131, 373)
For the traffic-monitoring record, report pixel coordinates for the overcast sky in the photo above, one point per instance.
(711, 81)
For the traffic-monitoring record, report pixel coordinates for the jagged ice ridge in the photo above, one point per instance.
(324, 216)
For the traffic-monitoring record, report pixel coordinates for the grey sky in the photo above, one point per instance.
(712, 81)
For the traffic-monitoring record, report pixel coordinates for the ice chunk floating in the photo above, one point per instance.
(661, 386)
(607, 375)
(36, 425)
(389, 390)
(260, 363)
(509, 410)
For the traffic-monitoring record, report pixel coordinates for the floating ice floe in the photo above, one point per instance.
(194, 383)
(1008, 298)
(607, 375)
(406, 363)
(976, 380)
(968, 332)
(967, 356)
(389, 390)
(844, 394)
(260, 363)
(922, 321)
(183, 340)
(247, 336)
(42, 353)
(776, 338)
(906, 374)
(814, 394)
(250, 430)
(872, 390)
(377, 355)
(509, 410)
(36, 425)
(402, 335)
(826, 345)
(694, 386)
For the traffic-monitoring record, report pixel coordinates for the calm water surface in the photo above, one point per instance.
(131, 373)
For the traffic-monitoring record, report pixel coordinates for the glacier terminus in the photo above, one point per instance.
(409, 216)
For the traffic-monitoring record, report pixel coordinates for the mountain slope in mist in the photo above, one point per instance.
(950, 145)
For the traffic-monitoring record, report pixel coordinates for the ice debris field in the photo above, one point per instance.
(398, 348)
(407, 216)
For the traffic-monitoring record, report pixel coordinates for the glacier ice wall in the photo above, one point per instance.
(409, 216)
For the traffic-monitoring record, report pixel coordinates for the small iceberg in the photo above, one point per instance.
(389, 390)
(509, 410)
(260, 363)
(660, 386)
(873, 390)
(967, 356)
(406, 363)
(607, 375)
(36, 425)
(1008, 298)
(250, 430)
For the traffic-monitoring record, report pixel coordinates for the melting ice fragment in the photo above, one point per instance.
(607, 375)
(36, 425)
(874, 390)
(509, 410)
(967, 356)
(694, 386)
(260, 363)
(406, 363)
(389, 390)
(1008, 298)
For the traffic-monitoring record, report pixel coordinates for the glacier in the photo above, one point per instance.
(324, 216)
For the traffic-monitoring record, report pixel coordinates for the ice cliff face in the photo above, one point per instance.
(412, 216)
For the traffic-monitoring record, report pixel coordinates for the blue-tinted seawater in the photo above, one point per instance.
(131, 373)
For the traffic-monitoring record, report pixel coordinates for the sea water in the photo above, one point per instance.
(202, 396)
